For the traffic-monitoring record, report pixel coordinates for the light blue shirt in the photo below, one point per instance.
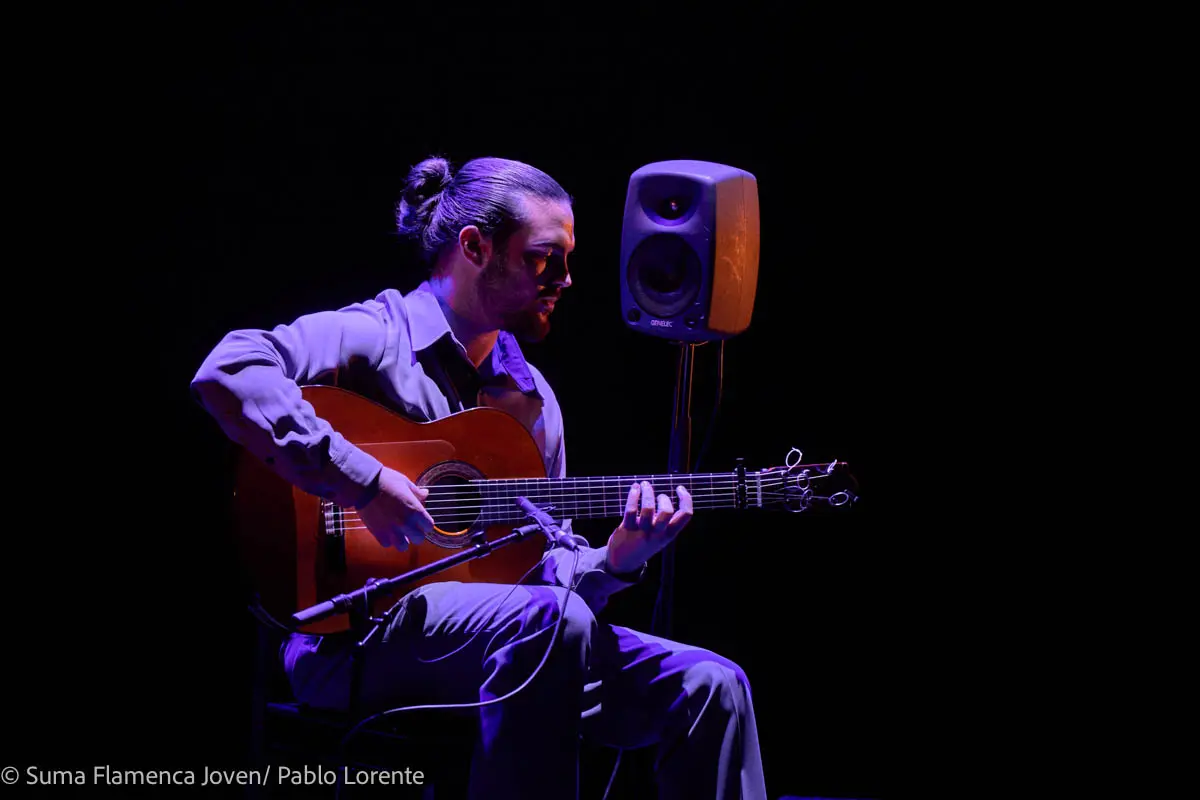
(250, 384)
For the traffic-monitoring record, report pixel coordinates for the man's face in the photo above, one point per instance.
(521, 283)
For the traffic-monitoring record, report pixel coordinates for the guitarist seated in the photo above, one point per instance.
(497, 236)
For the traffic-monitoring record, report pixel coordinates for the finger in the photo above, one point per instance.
(399, 538)
(683, 515)
(665, 509)
(383, 535)
(418, 497)
(646, 518)
(631, 508)
(413, 533)
(685, 498)
(416, 527)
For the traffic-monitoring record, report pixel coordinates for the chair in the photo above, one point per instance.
(287, 733)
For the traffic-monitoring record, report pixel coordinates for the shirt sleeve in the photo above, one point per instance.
(250, 383)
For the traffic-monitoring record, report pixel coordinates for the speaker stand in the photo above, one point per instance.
(679, 460)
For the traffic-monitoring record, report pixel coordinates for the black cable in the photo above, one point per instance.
(712, 419)
(263, 616)
(266, 619)
(712, 423)
(613, 777)
(520, 582)
(549, 649)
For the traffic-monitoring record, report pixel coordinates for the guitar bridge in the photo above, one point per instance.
(332, 531)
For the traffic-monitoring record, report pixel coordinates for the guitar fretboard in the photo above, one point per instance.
(581, 498)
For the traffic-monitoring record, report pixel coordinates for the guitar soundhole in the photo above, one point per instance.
(454, 502)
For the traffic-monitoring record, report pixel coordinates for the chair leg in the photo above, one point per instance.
(258, 708)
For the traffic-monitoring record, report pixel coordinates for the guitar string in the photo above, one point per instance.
(495, 503)
(566, 497)
(574, 484)
(477, 503)
(593, 505)
(347, 528)
(725, 477)
(716, 479)
(460, 519)
(713, 477)
(447, 493)
(477, 499)
(502, 512)
(472, 518)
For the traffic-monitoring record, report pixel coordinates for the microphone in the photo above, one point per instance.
(549, 527)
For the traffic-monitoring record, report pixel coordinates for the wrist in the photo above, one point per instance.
(370, 492)
(629, 576)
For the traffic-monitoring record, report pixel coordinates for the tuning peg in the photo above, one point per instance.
(841, 498)
(789, 460)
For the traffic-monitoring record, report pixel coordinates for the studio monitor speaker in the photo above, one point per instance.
(689, 250)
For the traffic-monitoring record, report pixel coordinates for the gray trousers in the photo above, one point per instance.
(463, 643)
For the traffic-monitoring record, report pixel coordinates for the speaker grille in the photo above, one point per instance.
(664, 275)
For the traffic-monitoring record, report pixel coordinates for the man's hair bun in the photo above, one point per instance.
(422, 190)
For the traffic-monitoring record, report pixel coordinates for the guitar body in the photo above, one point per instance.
(300, 550)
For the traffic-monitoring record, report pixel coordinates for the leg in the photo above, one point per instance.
(695, 705)
(466, 643)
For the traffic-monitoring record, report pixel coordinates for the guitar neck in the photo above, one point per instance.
(583, 498)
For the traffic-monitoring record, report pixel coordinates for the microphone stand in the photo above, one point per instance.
(358, 602)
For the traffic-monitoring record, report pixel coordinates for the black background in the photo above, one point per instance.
(251, 164)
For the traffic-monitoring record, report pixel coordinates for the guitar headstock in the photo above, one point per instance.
(797, 486)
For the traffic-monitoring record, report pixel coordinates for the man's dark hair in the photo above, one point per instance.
(437, 203)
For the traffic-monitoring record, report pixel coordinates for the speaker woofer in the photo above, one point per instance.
(664, 275)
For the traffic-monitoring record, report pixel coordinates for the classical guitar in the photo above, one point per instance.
(301, 549)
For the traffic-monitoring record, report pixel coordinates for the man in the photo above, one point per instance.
(497, 236)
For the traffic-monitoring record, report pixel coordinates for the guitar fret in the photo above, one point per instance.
(590, 497)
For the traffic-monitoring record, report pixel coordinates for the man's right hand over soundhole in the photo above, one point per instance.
(397, 516)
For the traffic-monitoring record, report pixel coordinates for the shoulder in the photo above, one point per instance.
(389, 303)
(388, 308)
(378, 326)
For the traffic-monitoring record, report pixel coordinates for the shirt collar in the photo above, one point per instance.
(427, 324)
(507, 358)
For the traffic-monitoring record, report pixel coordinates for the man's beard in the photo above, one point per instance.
(525, 323)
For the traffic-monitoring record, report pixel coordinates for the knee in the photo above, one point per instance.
(578, 622)
(719, 679)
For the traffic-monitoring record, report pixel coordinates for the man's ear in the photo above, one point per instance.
(474, 246)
